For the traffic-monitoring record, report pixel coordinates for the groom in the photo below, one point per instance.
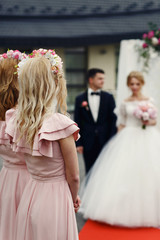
(95, 117)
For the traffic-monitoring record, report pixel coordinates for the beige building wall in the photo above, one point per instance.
(104, 57)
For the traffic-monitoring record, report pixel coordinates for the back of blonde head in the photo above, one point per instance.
(8, 85)
(38, 89)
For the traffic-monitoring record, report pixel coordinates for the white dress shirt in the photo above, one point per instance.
(94, 102)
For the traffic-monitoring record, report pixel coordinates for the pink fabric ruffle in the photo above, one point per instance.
(12, 185)
(54, 128)
(50, 218)
(4, 138)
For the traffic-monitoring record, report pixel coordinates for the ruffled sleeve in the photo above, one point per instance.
(54, 128)
(4, 139)
(121, 114)
(58, 126)
(10, 123)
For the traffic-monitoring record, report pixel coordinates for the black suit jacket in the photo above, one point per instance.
(103, 129)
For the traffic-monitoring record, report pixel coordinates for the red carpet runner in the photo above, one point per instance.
(98, 231)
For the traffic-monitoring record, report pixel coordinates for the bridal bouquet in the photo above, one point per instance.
(145, 112)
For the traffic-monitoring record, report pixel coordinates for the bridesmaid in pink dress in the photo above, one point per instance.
(14, 174)
(47, 139)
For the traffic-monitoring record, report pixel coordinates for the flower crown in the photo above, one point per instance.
(15, 54)
(55, 60)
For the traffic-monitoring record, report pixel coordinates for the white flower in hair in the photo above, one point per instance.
(15, 54)
(10, 53)
(51, 55)
(21, 63)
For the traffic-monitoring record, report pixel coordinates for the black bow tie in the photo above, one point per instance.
(95, 93)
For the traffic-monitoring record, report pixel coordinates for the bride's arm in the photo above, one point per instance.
(121, 115)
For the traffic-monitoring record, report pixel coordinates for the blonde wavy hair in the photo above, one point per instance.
(39, 88)
(137, 75)
(9, 89)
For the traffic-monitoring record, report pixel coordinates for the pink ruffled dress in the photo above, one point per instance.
(46, 210)
(13, 178)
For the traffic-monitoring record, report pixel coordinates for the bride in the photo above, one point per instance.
(124, 184)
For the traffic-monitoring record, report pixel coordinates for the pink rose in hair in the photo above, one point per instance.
(55, 60)
(52, 52)
(4, 55)
(16, 56)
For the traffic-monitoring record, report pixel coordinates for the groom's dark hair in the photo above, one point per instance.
(93, 71)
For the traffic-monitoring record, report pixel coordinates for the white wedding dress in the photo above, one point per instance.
(123, 187)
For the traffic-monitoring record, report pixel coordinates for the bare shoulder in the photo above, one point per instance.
(145, 98)
(129, 99)
(142, 98)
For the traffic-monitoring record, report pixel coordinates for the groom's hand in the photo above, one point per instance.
(80, 149)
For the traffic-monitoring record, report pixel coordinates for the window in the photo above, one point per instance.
(76, 65)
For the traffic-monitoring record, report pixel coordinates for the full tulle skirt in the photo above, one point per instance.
(46, 212)
(12, 184)
(123, 187)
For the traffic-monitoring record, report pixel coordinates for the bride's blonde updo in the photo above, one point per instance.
(9, 90)
(39, 89)
(137, 75)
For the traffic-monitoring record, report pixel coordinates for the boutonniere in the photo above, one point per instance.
(85, 105)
